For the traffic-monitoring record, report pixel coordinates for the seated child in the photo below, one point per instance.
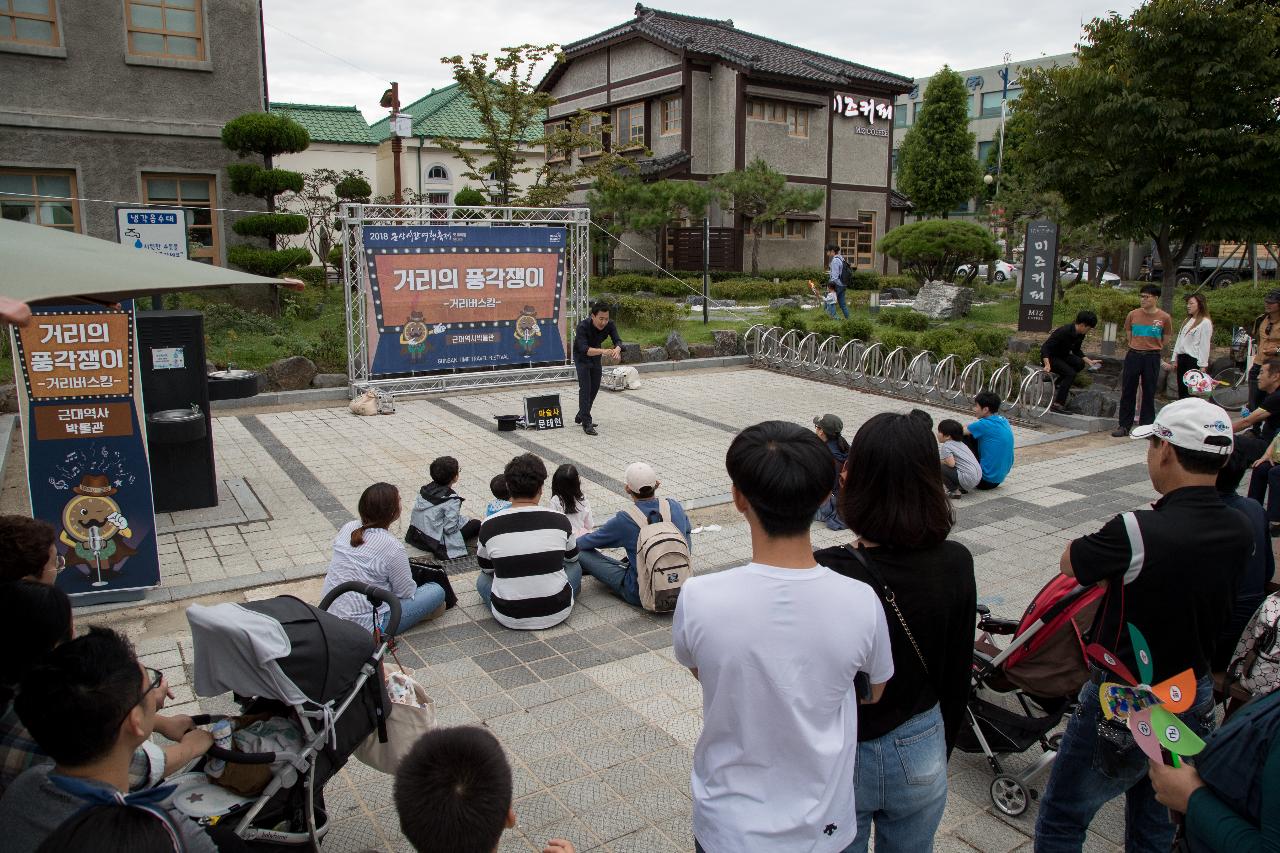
(960, 469)
(453, 791)
(566, 497)
(437, 523)
(501, 496)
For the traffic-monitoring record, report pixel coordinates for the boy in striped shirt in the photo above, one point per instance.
(527, 554)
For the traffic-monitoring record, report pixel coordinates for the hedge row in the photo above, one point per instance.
(740, 287)
(966, 342)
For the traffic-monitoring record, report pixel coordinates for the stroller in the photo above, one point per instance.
(1039, 673)
(285, 658)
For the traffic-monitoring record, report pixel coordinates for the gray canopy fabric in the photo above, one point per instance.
(46, 264)
(237, 650)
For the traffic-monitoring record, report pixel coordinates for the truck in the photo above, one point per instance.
(1218, 264)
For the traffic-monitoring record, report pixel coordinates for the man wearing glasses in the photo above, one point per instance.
(90, 704)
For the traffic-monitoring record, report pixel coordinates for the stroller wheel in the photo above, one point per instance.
(1009, 795)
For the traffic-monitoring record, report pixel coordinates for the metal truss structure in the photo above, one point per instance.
(355, 276)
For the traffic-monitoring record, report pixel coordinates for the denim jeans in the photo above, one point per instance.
(572, 570)
(829, 514)
(425, 601)
(613, 574)
(831, 308)
(900, 786)
(840, 300)
(1088, 772)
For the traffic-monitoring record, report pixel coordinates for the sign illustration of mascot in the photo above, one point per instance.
(94, 530)
(527, 332)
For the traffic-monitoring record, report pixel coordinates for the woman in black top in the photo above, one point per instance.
(892, 495)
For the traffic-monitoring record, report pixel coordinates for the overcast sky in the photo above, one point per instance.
(345, 52)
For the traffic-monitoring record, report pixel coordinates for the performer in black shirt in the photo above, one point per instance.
(1061, 354)
(587, 339)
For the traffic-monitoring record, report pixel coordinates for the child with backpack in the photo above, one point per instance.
(654, 533)
(437, 523)
(566, 497)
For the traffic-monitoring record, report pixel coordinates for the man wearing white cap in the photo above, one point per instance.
(1170, 572)
(621, 531)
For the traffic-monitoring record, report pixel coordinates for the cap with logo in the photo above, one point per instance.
(640, 475)
(829, 424)
(1192, 424)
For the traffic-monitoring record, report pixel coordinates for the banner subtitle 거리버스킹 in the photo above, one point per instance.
(463, 296)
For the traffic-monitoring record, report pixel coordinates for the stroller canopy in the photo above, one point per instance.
(281, 648)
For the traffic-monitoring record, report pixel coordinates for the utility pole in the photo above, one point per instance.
(391, 100)
(706, 269)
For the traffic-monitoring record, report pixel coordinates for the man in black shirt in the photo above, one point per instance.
(1169, 571)
(1267, 410)
(587, 339)
(1062, 355)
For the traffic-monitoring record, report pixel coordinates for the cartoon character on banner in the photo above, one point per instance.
(1148, 710)
(527, 332)
(94, 530)
(1199, 383)
(413, 336)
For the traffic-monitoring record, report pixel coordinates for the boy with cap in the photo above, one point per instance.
(621, 531)
(1153, 563)
(830, 429)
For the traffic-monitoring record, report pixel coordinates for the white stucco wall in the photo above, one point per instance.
(415, 178)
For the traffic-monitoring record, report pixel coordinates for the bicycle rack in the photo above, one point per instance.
(808, 353)
(1001, 382)
(947, 378)
(829, 355)
(894, 370)
(971, 378)
(1033, 396)
(751, 341)
(921, 373)
(769, 345)
(871, 364)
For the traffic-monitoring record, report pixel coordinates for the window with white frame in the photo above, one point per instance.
(437, 174)
(628, 126)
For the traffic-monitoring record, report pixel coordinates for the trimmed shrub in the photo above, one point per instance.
(905, 282)
(633, 282)
(753, 289)
(792, 318)
(857, 327)
(264, 133)
(647, 313)
(950, 341)
(223, 317)
(313, 276)
(905, 319)
(265, 261)
(990, 340)
(895, 338)
(1111, 305)
(335, 256)
(865, 280)
(269, 224)
(827, 327)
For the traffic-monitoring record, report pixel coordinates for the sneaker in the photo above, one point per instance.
(1120, 432)
(954, 493)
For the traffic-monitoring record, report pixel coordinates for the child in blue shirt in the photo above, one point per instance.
(501, 496)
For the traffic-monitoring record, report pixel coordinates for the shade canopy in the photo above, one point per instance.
(40, 264)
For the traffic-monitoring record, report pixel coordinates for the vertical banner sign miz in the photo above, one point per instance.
(1039, 276)
(450, 297)
(87, 467)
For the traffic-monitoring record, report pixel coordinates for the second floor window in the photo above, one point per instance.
(795, 117)
(595, 129)
(628, 126)
(29, 22)
(554, 152)
(671, 115)
(170, 29)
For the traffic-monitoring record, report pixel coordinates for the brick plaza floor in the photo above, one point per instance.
(597, 718)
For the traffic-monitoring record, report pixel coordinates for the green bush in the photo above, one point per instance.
(753, 289)
(865, 280)
(335, 256)
(268, 224)
(905, 282)
(792, 318)
(1237, 305)
(264, 133)
(328, 350)
(1111, 305)
(931, 250)
(313, 276)
(905, 319)
(950, 341)
(266, 262)
(894, 338)
(827, 327)
(815, 273)
(252, 179)
(223, 317)
(353, 188)
(634, 282)
(858, 328)
(647, 313)
(990, 340)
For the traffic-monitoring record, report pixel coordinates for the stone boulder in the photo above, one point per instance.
(1094, 402)
(8, 402)
(288, 374)
(1016, 345)
(645, 294)
(653, 354)
(940, 301)
(677, 349)
(631, 354)
(702, 351)
(329, 380)
(727, 342)
(783, 302)
(209, 366)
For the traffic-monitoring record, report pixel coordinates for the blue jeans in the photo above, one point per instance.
(900, 786)
(840, 299)
(425, 601)
(1089, 771)
(831, 308)
(829, 514)
(619, 577)
(572, 570)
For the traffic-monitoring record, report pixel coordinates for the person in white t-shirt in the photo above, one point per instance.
(777, 645)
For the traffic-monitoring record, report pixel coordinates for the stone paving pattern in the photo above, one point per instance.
(597, 718)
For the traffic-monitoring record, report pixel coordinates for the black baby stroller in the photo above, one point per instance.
(1038, 677)
(291, 660)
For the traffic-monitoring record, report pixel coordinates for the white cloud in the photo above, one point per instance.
(404, 40)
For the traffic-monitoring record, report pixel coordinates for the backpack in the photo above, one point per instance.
(662, 559)
(1255, 663)
(846, 273)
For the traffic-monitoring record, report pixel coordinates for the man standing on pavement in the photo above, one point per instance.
(1266, 342)
(1153, 565)
(1063, 357)
(838, 274)
(587, 339)
(1147, 327)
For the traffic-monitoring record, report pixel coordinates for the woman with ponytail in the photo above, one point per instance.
(364, 551)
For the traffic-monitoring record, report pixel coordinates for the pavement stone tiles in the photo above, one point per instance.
(598, 720)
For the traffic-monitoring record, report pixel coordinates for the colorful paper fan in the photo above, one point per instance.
(1148, 711)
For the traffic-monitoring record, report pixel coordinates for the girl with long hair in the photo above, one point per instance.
(1191, 349)
(566, 497)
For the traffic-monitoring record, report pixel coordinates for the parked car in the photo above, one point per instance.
(1004, 271)
(1073, 270)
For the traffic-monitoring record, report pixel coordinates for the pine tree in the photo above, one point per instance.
(936, 166)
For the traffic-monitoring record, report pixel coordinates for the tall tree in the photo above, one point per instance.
(646, 208)
(512, 112)
(323, 193)
(1158, 134)
(936, 166)
(762, 196)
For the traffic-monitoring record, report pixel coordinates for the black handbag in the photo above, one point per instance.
(427, 572)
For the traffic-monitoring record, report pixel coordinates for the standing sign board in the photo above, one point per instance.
(543, 412)
(87, 469)
(156, 229)
(1039, 276)
(463, 297)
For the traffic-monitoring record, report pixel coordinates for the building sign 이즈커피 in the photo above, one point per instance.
(865, 107)
(1039, 276)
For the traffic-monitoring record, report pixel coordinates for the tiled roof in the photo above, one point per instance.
(721, 40)
(656, 166)
(329, 124)
(446, 112)
(898, 201)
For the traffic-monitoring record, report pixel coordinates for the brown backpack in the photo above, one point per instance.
(662, 559)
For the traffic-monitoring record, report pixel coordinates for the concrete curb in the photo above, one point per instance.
(1080, 422)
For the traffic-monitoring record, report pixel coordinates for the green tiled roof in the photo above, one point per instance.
(445, 112)
(329, 124)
